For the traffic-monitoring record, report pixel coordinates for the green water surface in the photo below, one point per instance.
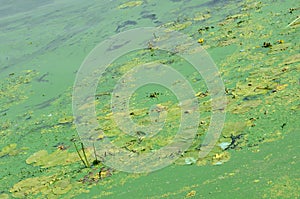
(255, 46)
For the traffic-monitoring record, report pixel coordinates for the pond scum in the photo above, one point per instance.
(262, 82)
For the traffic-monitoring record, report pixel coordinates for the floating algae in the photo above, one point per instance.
(172, 26)
(220, 158)
(130, 4)
(13, 88)
(51, 186)
(282, 187)
(11, 150)
(262, 85)
(59, 157)
(224, 145)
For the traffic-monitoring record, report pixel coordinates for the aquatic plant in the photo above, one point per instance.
(85, 161)
(96, 161)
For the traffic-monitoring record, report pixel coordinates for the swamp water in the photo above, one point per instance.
(255, 46)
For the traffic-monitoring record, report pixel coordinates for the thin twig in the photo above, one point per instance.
(293, 21)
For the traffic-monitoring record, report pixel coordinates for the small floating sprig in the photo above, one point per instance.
(290, 24)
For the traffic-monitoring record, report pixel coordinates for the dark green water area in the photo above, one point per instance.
(255, 46)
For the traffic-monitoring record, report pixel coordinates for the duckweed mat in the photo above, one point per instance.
(255, 46)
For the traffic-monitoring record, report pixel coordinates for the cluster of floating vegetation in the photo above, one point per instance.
(12, 90)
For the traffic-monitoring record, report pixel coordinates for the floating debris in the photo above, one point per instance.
(218, 163)
(191, 194)
(190, 160)
(224, 145)
(220, 158)
(201, 41)
(267, 45)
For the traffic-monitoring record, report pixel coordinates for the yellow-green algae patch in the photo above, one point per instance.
(65, 120)
(176, 26)
(130, 4)
(283, 187)
(260, 86)
(59, 157)
(48, 186)
(4, 196)
(11, 150)
(13, 88)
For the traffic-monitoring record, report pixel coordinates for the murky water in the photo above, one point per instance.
(253, 44)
